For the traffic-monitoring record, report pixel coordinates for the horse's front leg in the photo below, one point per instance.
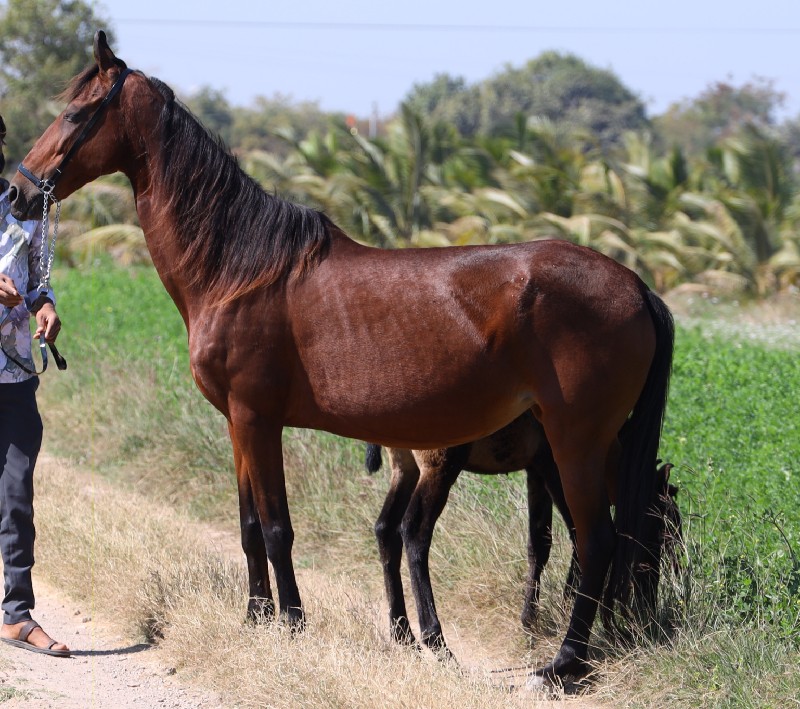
(265, 514)
(260, 605)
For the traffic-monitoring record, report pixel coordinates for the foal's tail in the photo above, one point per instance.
(372, 458)
(633, 582)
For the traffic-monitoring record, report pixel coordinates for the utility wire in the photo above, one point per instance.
(415, 27)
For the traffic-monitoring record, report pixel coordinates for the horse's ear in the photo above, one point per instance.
(102, 52)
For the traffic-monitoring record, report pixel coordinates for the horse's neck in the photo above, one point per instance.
(162, 242)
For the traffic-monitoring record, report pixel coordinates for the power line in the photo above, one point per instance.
(418, 27)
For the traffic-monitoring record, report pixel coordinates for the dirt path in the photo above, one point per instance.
(105, 671)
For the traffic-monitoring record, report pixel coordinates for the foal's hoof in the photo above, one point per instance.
(402, 634)
(441, 652)
(260, 610)
(528, 618)
(446, 657)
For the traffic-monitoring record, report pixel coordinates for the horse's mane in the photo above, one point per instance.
(234, 236)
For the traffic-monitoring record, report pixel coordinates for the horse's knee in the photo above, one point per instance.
(384, 532)
(278, 538)
(410, 527)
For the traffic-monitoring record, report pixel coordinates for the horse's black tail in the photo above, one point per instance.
(633, 581)
(372, 458)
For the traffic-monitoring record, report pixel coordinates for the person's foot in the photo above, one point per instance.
(28, 634)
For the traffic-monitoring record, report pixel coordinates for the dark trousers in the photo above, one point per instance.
(20, 440)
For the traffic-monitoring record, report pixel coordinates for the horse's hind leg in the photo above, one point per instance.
(540, 539)
(260, 605)
(427, 503)
(405, 475)
(582, 468)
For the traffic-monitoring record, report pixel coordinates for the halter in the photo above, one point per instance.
(47, 185)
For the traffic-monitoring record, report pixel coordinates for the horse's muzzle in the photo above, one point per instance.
(23, 207)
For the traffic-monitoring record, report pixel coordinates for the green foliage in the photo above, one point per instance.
(43, 44)
(255, 128)
(721, 110)
(560, 87)
(733, 432)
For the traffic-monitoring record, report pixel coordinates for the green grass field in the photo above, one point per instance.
(127, 407)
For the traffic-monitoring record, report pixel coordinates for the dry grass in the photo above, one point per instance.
(161, 575)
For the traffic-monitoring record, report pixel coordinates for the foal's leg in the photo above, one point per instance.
(424, 509)
(540, 539)
(549, 472)
(260, 604)
(405, 474)
(259, 446)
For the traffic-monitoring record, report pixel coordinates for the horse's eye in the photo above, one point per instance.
(73, 117)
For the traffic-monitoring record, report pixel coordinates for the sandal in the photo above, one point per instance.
(22, 641)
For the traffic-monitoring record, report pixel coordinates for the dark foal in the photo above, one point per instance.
(420, 484)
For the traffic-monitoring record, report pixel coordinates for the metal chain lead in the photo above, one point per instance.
(48, 251)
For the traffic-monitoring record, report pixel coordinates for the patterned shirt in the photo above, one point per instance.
(20, 260)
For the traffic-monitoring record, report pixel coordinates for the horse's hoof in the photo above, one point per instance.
(295, 618)
(541, 685)
(260, 610)
(566, 665)
(402, 634)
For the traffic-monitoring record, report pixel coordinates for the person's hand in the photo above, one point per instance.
(47, 322)
(9, 296)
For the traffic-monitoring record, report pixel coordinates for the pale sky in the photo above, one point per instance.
(352, 54)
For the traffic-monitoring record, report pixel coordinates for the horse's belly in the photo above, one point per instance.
(415, 409)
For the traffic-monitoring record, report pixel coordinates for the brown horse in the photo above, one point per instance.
(420, 484)
(279, 304)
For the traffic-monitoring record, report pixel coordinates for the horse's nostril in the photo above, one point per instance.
(12, 194)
